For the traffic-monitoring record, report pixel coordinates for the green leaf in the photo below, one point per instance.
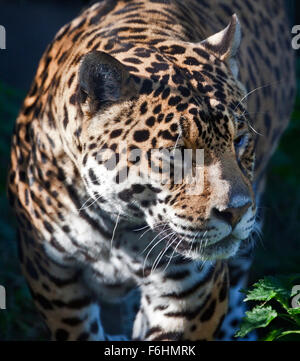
(260, 292)
(278, 288)
(294, 311)
(280, 333)
(273, 335)
(258, 317)
(289, 333)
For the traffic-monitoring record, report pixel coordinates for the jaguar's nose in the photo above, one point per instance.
(232, 215)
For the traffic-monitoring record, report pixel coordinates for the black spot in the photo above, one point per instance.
(66, 229)
(84, 336)
(141, 135)
(22, 176)
(145, 204)
(223, 292)
(92, 146)
(157, 67)
(174, 127)
(202, 53)
(146, 87)
(185, 92)
(122, 175)
(193, 328)
(73, 99)
(169, 117)
(61, 335)
(94, 327)
(153, 189)
(48, 227)
(72, 321)
(103, 10)
(93, 177)
(173, 49)
(116, 133)
(191, 61)
(85, 159)
(43, 301)
(174, 336)
(166, 93)
(234, 323)
(143, 108)
(157, 109)
(132, 60)
(181, 107)
(137, 188)
(167, 135)
(63, 55)
(150, 121)
(209, 312)
(70, 81)
(31, 270)
(174, 100)
(267, 122)
(125, 195)
(218, 333)
(159, 90)
(61, 175)
(178, 276)
(178, 78)
(160, 118)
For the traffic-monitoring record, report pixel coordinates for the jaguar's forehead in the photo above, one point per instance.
(181, 91)
(181, 67)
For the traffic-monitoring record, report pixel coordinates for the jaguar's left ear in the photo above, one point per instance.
(103, 79)
(225, 44)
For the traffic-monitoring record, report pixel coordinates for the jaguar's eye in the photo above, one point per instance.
(240, 141)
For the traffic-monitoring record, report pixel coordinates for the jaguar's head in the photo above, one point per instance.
(175, 97)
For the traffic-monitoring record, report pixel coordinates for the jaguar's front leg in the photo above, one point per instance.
(189, 304)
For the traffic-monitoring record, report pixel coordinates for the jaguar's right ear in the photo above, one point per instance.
(103, 79)
(225, 44)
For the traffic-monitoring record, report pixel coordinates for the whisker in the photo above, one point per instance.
(171, 257)
(255, 131)
(140, 229)
(172, 236)
(161, 254)
(177, 140)
(254, 90)
(91, 197)
(142, 235)
(202, 246)
(249, 124)
(159, 241)
(189, 253)
(114, 231)
(85, 206)
(153, 240)
(152, 229)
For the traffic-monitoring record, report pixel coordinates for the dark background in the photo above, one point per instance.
(30, 26)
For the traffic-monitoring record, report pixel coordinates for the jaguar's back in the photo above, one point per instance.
(152, 74)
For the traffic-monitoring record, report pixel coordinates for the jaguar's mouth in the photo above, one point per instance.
(195, 247)
(225, 248)
(221, 249)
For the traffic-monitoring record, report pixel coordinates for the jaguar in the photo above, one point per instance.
(101, 243)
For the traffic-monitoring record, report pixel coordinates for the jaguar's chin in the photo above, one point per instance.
(223, 249)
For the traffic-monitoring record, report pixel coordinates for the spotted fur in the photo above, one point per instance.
(158, 75)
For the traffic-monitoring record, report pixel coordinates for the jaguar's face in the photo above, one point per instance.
(173, 150)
